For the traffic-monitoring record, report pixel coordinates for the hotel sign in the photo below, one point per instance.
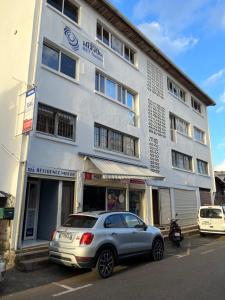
(82, 46)
(29, 110)
(48, 171)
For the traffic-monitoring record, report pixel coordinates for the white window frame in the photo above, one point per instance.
(203, 141)
(123, 88)
(61, 12)
(194, 100)
(110, 44)
(183, 157)
(180, 120)
(178, 88)
(199, 161)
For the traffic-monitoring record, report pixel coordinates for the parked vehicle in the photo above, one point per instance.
(211, 219)
(175, 234)
(101, 240)
(2, 268)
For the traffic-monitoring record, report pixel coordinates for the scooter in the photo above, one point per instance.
(175, 234)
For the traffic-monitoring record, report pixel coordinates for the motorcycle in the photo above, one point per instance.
(175, 234)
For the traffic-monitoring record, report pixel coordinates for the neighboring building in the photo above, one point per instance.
(116, 124)
(220, 187)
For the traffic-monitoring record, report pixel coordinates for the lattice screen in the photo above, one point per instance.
(156, 119)
(154, 79)
(154, 154)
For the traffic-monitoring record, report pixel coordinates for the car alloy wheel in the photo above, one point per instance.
(105, 263)
(157, 250)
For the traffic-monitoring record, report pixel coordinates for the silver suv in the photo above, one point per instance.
(101, 240)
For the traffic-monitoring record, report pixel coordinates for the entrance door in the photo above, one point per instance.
(155, 202)
(94, 198)
(67, 200)
(32, 206)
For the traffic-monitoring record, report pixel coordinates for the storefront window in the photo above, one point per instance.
(136, 203)
(116, 199)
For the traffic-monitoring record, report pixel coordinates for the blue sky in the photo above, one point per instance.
(192, 34)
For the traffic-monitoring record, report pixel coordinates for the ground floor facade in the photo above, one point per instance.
(51, 194)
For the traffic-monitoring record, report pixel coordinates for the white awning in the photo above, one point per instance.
(116, 170)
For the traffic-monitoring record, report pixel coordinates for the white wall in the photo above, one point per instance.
(80, 99)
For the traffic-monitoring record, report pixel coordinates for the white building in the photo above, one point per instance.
(116, 124)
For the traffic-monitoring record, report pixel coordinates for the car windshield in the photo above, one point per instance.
(214, 213)
(80, 221)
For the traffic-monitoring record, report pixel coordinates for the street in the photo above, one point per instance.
(194, 271)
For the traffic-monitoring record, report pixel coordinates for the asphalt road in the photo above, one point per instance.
(195, 271)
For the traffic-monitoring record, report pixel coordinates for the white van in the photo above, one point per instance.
(211, 219)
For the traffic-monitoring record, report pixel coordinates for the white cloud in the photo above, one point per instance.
(220, 167)
(220, 109)
(214, 78)
(160, 36)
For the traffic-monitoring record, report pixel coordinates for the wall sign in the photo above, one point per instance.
(82, 46)
(29, 110)
(51, 171)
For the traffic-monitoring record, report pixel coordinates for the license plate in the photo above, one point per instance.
(205, 222)
(177, 234)
(66, 236)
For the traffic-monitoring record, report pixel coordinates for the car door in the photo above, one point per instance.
(118, 233)
(140, 238)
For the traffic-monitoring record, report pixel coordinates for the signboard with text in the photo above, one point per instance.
(50, 171)
(82, 46)
(29, 110)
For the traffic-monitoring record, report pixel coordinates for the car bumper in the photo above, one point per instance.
(212, 231)
(2, 270)
(63, 257)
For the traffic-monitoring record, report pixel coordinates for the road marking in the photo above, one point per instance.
(207, 251)
(69, 289)
(188, 253)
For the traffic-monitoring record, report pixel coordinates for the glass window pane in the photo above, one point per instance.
(97, 82)
(114, 221)
(111, 89)
(124, 96)
(50, 57)
(132, 221)
(127, 53)
(116, 199)
(99, 31)
(56, 4)
(97, 137)
(71, 11)
(117, 45)
(130, 100)
(68, 65)
(45, 119)
(66, 125)
(131, 56)
(102, 84)
(105, 37)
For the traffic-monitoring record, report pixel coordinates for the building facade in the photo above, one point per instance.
(115, 124)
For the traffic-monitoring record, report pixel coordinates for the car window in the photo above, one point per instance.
(80, 221)
(132, 221)
(114, 221)
(214, 213)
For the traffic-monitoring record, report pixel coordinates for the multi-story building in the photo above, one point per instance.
(116, 125)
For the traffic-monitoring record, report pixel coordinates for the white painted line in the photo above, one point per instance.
(69, 289)
(188, 253)
(207, 251)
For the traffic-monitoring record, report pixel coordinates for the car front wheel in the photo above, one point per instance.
(157, 251)
(105, 263)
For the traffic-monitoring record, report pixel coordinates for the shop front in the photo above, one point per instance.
(49, 200)
(115, 186)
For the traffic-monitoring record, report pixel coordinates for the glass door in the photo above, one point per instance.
(32, 206)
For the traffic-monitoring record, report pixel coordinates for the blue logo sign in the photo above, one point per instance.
(71, 38)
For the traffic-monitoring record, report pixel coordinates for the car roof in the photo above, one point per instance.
(98, 213)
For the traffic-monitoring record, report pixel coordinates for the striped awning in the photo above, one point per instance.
(116, 170)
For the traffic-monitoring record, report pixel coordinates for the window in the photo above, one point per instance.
(181, 161)
(196, 105)
(175, 89)
(213, 213)
(116, 199)
(106, 138)
(117, 92)
(202, 167)
(55, 122)
(179, 124)
(114, 221)
(116, 44)
(199, 135)
(66, 7)
(132, 221)
(58, 61)
(80, 221)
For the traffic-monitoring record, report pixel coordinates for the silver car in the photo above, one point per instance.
(101, 240)
(2, 268)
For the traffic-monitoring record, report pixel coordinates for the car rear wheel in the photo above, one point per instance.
(157, 251)
(105, 263)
